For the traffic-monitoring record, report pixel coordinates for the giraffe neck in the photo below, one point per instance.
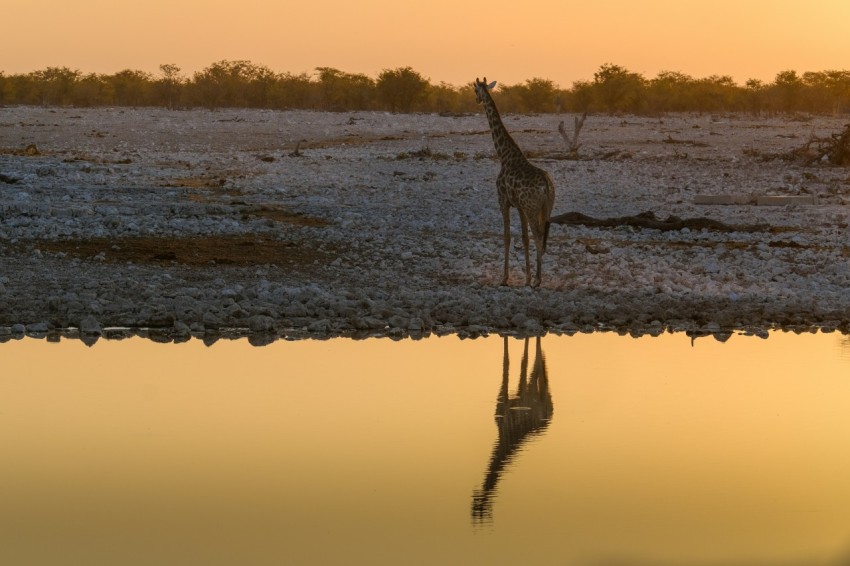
(506, 148)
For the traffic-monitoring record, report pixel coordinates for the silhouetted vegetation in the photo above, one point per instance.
(243, 84)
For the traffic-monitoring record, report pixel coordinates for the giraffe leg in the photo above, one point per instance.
(506, 362)
(540, 231)
(523, 366)
(523, 219)
(539, 245)
(506, 218)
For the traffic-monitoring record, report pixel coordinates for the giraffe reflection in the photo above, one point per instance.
(518, 418)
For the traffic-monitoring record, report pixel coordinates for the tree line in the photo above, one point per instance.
(243, 84)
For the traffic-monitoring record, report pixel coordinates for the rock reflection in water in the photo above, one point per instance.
(518, 417)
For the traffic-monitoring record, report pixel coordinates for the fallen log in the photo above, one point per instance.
(757, 199)
(650, 221)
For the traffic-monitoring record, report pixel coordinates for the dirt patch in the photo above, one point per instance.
(201, 182)
(29, 151)
(239, 250)
(280, 214)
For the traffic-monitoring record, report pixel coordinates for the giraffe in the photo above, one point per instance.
(520, 184)
(518, 418)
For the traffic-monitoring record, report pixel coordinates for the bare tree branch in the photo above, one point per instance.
(297, 152)
(835, 149)
(572, 142)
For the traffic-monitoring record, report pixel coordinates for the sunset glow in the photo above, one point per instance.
(445, 41)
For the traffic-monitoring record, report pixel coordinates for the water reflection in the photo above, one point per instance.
(134, 452)
(518, 418)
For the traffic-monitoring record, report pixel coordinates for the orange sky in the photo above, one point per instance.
(445, 40)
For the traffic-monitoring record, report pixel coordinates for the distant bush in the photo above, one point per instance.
(168, 87)
(402, 90)
(243, 84)
(232, 84)
(341, 91)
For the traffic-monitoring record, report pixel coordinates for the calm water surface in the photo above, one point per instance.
(584, 450)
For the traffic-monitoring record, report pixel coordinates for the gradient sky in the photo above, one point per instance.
(446, 40)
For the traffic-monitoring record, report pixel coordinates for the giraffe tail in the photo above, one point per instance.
(546, 234)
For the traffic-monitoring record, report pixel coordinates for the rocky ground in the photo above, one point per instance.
(292, 224)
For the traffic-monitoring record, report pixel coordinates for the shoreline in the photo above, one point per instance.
(259, 339)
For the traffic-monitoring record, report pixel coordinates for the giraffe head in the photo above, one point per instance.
(481, 88)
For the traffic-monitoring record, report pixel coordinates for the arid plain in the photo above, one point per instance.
(305, 223)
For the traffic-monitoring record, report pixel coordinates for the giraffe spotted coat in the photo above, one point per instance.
(521, 185)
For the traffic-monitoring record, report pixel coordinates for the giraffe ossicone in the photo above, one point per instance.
(519, 184)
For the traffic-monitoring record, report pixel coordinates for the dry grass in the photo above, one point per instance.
(242, 250)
